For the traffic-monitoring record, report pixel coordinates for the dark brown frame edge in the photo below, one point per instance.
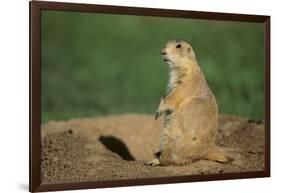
(35, 8)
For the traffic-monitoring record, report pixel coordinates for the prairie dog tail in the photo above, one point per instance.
(223, 154)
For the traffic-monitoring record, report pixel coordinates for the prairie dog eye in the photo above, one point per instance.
(178, 46)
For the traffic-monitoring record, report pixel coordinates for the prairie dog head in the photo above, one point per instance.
(178, 53)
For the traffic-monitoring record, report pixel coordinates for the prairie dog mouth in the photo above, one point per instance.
(165, 58)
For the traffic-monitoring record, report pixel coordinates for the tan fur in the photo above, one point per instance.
(190, 111)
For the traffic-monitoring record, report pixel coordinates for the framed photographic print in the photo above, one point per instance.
(123, 96)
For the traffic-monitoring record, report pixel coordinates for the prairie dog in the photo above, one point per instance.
(190, 111)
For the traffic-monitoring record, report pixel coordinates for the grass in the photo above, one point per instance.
(100, 64)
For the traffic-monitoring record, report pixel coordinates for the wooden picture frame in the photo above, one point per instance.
(35, 91)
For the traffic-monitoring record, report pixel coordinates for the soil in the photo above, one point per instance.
(115, 147)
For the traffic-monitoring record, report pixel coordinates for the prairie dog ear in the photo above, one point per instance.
(190, 52)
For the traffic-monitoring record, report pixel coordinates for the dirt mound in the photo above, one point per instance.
(114, 147)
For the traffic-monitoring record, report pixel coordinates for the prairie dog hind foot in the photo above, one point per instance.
(153, 162)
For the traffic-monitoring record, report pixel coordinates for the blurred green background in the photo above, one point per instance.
(100, 64)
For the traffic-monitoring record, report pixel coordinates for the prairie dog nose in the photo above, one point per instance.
(163, 51)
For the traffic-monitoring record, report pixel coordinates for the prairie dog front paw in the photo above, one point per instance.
(161, 109)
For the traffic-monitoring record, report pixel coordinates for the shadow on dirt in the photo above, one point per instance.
(117, 146)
